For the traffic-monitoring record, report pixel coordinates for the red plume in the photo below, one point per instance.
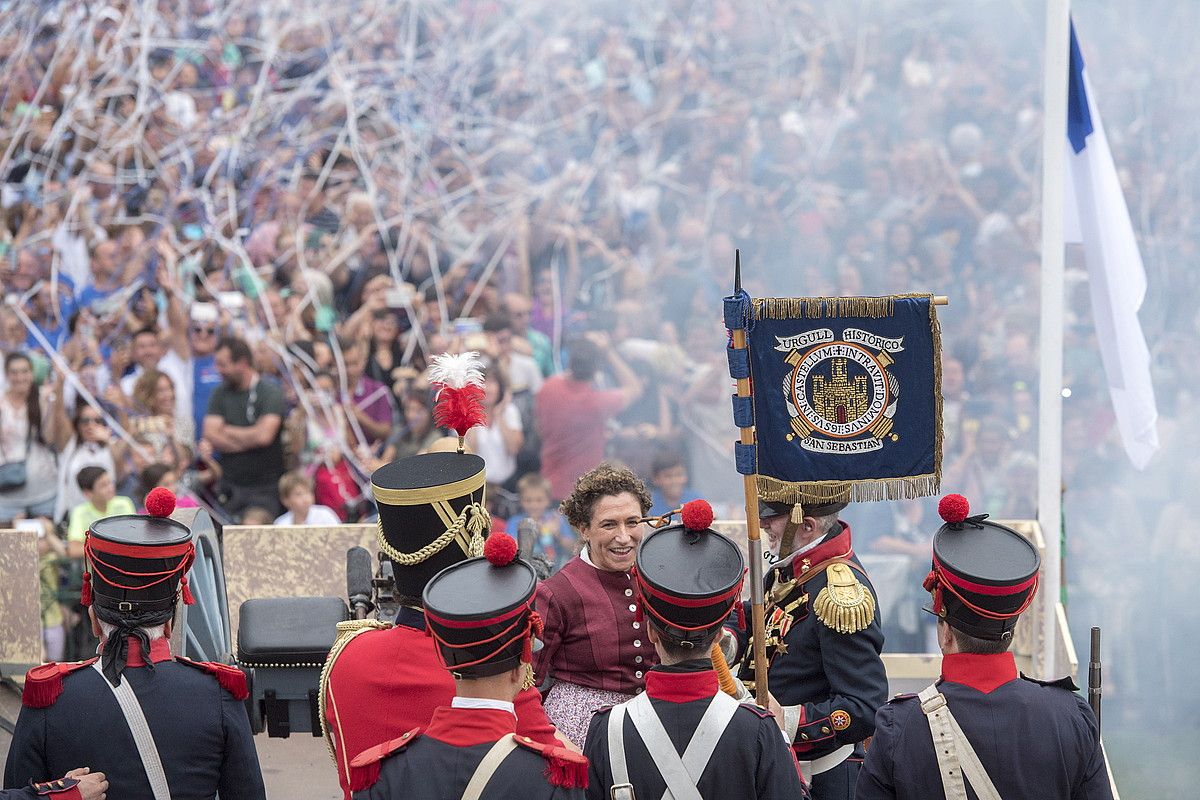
(460, 409)
(954, 508)
(697, 515)
(459, 381)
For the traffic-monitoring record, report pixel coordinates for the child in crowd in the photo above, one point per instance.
(555, 538)
(256, 515)
(50, 551)
(669, 479)
(100, 500)
(296, 494)
(162, 475)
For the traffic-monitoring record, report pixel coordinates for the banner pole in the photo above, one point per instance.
(753, 535)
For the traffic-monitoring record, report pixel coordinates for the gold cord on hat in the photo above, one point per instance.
(470, 527)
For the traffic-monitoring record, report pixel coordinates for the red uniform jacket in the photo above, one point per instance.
(387, 682)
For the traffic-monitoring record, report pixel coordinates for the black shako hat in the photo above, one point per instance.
(983, 574)
(137, 563)
(689, 577)
(480, 611)
(431, 515)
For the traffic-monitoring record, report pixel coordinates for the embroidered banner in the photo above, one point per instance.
(847, 397)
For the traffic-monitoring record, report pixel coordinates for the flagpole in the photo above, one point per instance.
(1050, 380)
(750, 490)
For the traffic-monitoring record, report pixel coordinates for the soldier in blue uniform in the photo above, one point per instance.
(998, 734)
(684, 733)
(193, 735)
(823, 642)
(480, 614)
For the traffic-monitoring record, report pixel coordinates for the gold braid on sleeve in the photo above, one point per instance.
(346, 631)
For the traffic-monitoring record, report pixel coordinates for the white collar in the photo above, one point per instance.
(483, 702)
(791, 556)
(586, 557)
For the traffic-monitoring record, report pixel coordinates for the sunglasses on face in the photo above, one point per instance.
(204, 331)
(91, 421)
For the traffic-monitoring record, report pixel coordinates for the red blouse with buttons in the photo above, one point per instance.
(592, 634)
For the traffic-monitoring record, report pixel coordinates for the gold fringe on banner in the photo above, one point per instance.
(935, 330)
(831, 307)
(773, 490)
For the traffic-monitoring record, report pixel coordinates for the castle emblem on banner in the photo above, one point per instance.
(841, 396)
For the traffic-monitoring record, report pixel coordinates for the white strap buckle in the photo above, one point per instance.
(622, 791)
(932, 704)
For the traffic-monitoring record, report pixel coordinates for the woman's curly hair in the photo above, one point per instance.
(606, 480)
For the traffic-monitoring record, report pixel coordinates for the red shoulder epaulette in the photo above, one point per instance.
(44, 684)
(757, 709)
(364, 767)
(232, 679)
(564, 767)
(65, 786)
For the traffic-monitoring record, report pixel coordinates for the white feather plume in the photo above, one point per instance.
(456, 371)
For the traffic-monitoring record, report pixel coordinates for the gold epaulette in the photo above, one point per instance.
(346, 631)
(844, 604)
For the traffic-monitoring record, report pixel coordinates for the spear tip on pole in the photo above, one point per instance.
(737, 270)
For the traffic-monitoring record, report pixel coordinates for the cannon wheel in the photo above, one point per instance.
(202, 630)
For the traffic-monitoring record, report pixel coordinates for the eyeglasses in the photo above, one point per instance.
(205, 331)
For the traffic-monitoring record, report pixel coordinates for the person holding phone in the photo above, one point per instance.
(27, 427)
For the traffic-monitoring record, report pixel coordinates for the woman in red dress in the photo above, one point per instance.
(595, 645)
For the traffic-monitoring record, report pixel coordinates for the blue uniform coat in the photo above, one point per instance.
(201, 731)
(1034, 739)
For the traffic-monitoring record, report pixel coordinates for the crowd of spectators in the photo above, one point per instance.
(233, 234)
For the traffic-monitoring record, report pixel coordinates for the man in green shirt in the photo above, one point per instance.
(100, 491)
(244, 424)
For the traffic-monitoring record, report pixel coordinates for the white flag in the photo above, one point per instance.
(1097, 217)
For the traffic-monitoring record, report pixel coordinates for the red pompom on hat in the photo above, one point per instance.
(500, 549)
(954, 508)
(160, 502)
(696, 515)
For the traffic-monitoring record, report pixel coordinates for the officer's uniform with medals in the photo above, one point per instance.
(683, 732)
(999, 734)
(382, 680)
(199, 741)
(823, 641)
(480, 614)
